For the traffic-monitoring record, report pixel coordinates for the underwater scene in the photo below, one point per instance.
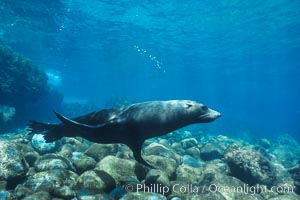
(154, 100)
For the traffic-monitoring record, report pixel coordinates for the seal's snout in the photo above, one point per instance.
(209, 116)
(217, 114)
(214, 114)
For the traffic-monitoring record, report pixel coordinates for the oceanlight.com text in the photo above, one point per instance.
(213, 188)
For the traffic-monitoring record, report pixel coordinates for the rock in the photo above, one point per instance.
(31, 157)
(39, 196)
(96, 182)
(197, 181)
(161, 150)
(163, 142)
(143, 196)
(189, 142)
(193, 151)
(188, 174)
(77, 155)
(21, 81)
(22, 191)
(208, 195)
(25, 87)
(99, 151)
(288, 154)
(224, 184)
(183, 190)
(216, 166)
(31, 171)
(150, 141)
(121, 169)
(247, 196)
(157, 177)
(124, 152)
(6, 113)
(190, 195)
(118, 192)
(71, 144)
(39, 143)
(52, 161)
(77, 144)
(57, 182)
(3, 185)
(286, 197)
(287, 140)
(13, 166)
(83, 163)
(211, 151)
(190, 161)
(84, 195)
(251, 167)
(184, 134)
(6, 195)
(64, 192)
(268, 194)
(176, 193)
(23, 145)
(295, 173)
(66, 151)
(178, 148)
(175, 198)
(281, 179)
(167, 165)
(265, 143)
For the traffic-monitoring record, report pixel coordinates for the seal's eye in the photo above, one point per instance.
(188, 105)
(204, 108)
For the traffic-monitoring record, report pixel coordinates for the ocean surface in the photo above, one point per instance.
(238, 57)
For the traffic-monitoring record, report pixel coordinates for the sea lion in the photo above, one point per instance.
(130, 125)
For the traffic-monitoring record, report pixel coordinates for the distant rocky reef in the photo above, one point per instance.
(20, 80)
(24, 89)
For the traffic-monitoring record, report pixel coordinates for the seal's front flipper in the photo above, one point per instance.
(137, 151)
(73, 124)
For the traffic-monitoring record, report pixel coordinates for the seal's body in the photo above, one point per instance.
(130, 125)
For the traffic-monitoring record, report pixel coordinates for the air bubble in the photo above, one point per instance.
(152, 57)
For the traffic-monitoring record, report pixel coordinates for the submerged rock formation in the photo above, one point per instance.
(23, 88)
(250, 166)
(20, 80)
(13, 166)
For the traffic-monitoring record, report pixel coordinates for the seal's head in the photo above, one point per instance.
(195, 112)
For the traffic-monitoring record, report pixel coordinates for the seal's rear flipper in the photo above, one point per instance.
(37, 127)
(50, 131)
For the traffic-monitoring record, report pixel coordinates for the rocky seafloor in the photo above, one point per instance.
(187, 166)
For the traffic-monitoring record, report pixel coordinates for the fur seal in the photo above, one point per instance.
(130, 125)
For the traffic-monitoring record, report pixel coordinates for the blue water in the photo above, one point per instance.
(238, 57)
